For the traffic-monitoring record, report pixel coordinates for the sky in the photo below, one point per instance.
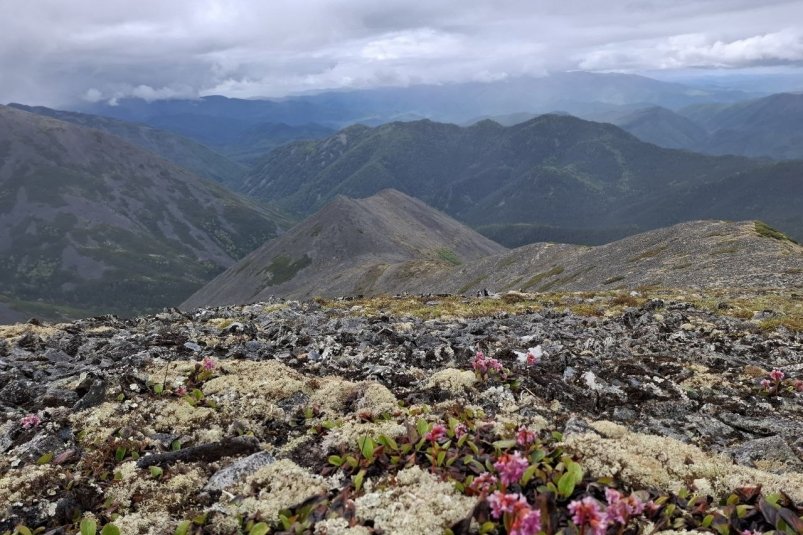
(58, 52)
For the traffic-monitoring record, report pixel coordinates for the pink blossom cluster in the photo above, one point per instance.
(30, 421)
(620, 508)
(511, 467)
(483, 483)
(588, 512)
(777, 375)
(534, 354)
(526, 520)
(208, 364)
(482, 364)
(460, 430)
(524, 437)
(437, 432)
(181, 391)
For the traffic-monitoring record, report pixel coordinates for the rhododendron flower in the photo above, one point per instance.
(502, 503)
(524, 437)
(527, 522)
(484, 483)
(621, 509)
(181, 391)
(766, 384)
(494, 365)
(437, 432)
(587, 512)
(798, 384)
(30, 421)
(208, 363)
(511, 467)
(479, 363)
(460, 430)
(777, 375)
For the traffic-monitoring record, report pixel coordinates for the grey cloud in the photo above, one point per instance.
(56, 52)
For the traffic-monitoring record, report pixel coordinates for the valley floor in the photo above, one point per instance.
(611, 412)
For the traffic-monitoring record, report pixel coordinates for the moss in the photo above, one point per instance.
(449, 256)
(283, 269)
(763, 229)
(555, 271)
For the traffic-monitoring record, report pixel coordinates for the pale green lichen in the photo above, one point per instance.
(415, 502)
(452, 379)
(650, 461)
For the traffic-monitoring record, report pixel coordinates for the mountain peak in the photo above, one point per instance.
(346, 248)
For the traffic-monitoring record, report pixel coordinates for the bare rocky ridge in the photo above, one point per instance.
(89, 222)
(657, 396)
(350, 247)
(391, 243)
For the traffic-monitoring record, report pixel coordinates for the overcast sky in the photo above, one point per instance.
(56, 52)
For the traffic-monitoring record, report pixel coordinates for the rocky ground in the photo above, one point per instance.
(379, 416)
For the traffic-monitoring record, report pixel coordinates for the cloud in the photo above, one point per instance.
(55, 52)
(699, 50)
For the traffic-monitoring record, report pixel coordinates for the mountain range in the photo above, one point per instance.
(548, 178)
(392, 243)
(90, 223)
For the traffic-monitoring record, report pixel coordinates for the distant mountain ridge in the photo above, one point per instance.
(182, 151)
(391, 243)
(92, 224)
(552, 172)
(351, 246)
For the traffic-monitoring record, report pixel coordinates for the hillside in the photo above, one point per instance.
(768, 126)
(553, 171)
(391, 243)
(91, 224)
(664, 128)
(409, 416)
(351, 246)
(180, 150)
(698, 254)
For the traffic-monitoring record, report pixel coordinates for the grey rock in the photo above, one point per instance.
(771, 454)
(238, 470)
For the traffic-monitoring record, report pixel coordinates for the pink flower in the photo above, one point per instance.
(483, 483)
(621, 509)
(479, 363)
(777, 375)
(798, 384)
(437, 432)
(524, 437)
(766, 384)
(181, 391)
(460, 430)
(208, 363)
(527, 522)
(30, 421)
(511, 467)
(495, 365)
(587, 512)
(749, 532)
(534, 354)
(505, 503)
